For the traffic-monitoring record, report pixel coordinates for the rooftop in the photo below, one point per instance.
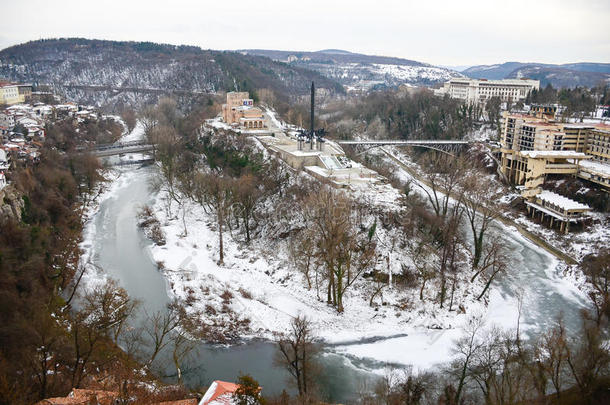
(593, 166)
(179, 402)
(220, 392)
(561, 201)
(82, 397)
(553, 154)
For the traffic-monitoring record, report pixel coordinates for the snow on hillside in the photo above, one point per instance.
(410, 74)
(363, 76)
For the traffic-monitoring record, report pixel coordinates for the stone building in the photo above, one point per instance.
(240, 110)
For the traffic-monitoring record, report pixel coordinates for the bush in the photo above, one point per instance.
(245, 293)
(226, 296)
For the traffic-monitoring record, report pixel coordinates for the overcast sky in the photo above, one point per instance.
(458, 32)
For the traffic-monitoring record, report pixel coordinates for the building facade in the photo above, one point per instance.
(535, 145)
(12, 93)
(479, 91)
(240, 110)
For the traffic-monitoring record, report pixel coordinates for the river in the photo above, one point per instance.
(120, 249)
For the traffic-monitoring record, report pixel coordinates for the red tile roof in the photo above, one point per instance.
(220, 392)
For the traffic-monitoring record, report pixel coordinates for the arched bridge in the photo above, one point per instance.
(445, 146)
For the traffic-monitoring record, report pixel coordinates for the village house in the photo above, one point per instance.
(4, 160)
(219, 393)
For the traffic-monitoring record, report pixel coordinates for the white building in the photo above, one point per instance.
(4, 163)
(478, 91)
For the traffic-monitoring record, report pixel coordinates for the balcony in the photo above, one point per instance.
(560, 168)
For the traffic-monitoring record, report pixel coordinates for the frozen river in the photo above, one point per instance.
(121, 250)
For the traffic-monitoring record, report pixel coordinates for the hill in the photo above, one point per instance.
(357, 71)
(111, 73)
(566, 75)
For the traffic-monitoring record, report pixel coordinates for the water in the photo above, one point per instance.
(532, 272)
(120, 246)
(121, 252)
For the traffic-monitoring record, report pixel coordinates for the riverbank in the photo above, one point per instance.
(502, 218)
(268, 293)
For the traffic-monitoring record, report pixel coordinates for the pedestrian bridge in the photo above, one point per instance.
(414, 142)
(445, 146)
(120, 148)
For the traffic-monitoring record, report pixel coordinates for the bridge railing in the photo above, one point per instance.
(407, 142)
(120, 145)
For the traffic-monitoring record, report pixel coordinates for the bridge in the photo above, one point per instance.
(120, 148)
(445, 146)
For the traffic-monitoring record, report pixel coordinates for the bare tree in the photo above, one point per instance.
(216, 193)
(597, 269)
(111, 307)
(247, 196)
(442, 175)
(104, 312)
(303, 254)
(479, 209)
(449, 253)
(297, 353)
(494, 262)
(345, 252)
(588, 358)
(129, 117)
(168, 154)
(466, 348)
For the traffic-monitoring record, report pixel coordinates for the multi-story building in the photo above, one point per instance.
(534, 146)
(240, 110)
(478, 91)
(559, 148)
(12, 93)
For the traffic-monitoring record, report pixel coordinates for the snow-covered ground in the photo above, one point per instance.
(275, 293)
(136, 134)
(267, 291)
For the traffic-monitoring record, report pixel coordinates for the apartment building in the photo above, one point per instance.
(478, 91)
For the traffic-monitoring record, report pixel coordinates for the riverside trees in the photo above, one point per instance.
(297, 353)
(344, 249)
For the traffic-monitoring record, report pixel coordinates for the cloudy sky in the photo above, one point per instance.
(458, 32)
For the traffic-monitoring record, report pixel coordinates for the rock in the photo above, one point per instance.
(11, 204)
